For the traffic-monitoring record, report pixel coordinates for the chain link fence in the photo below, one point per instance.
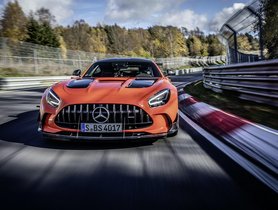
(197, 61)
(247, 20)
(28, 59)
(22, 58)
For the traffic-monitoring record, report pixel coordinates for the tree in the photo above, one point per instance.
(253, 41)
(41, 33)
(270, 27)
(78, 37)
(44, 16)
(243, 43)
(194, 45)
(176, 42)
(136, 43)
(98, 40)
(214, 46)
(167, 41)
(34, 31)
(117, 39)
(14, 22)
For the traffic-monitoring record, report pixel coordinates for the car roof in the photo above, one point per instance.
(108, 60)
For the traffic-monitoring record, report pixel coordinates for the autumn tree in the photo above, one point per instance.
(77, 37)
(59, 31)
(194, 45)
(176, 42)
(214, 46)
(156, 41)
(243, 43)
(167, 41)
(137, 41)
(253, 41)
(98, 39)
(157, 48)
(14, 22)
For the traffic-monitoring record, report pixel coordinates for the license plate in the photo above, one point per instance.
(101, 128)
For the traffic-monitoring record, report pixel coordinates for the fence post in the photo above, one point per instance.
(35, 61)
(4, 49)
(79, 60)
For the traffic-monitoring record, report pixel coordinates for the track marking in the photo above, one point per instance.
(247, 165)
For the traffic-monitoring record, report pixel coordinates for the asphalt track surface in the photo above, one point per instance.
(182, 172)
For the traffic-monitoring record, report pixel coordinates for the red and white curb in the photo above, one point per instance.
(258, 142)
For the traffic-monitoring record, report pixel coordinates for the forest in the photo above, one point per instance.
(40, 27)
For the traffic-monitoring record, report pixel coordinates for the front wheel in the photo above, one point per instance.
(175, 128)
(173, 133)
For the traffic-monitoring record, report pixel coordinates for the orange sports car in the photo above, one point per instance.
(119, 98)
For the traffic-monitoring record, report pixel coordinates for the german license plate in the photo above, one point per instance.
(101, 128)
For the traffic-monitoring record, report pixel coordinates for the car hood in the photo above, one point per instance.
(108, 90)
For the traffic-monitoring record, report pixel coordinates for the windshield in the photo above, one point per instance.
(123, 69)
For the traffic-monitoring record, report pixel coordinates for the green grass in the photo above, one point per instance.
(8, 72)
(228, 101)
(183, 67)
(13, 72)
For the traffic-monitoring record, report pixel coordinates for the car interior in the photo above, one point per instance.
(122, 70)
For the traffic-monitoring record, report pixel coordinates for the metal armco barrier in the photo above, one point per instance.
(256, 81)
(12, 83)
(188, 71)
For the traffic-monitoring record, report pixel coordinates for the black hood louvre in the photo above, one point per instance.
(141, 83)
(83, 83)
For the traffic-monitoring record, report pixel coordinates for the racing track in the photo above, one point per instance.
(184, 172)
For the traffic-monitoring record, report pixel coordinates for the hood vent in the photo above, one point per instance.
(141, 83)
(83, 83)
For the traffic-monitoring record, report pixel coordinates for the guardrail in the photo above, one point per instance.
(188, 71)
(198, 61)
(256, 81)
(12, 83)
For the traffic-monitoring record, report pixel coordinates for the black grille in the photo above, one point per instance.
(132, 117)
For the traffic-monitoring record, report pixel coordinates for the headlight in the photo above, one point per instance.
(160, 98)
(52, 98)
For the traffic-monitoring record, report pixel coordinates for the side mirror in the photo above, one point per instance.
(76, 72)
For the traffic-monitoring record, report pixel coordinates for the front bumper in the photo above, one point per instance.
(76, 137)
(162, 120)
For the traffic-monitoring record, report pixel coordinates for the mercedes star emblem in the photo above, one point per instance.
(100, 115)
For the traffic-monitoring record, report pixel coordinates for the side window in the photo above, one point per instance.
(150, 70)
(97, 71)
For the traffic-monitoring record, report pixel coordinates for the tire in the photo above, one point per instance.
(173, 134)
(175, 129)
(45, 138)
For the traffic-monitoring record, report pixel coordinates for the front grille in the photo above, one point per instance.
(130, 116)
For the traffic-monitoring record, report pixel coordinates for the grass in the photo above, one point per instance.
(8, 72)
(13, 72)
(228, 101)
(184, 67)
